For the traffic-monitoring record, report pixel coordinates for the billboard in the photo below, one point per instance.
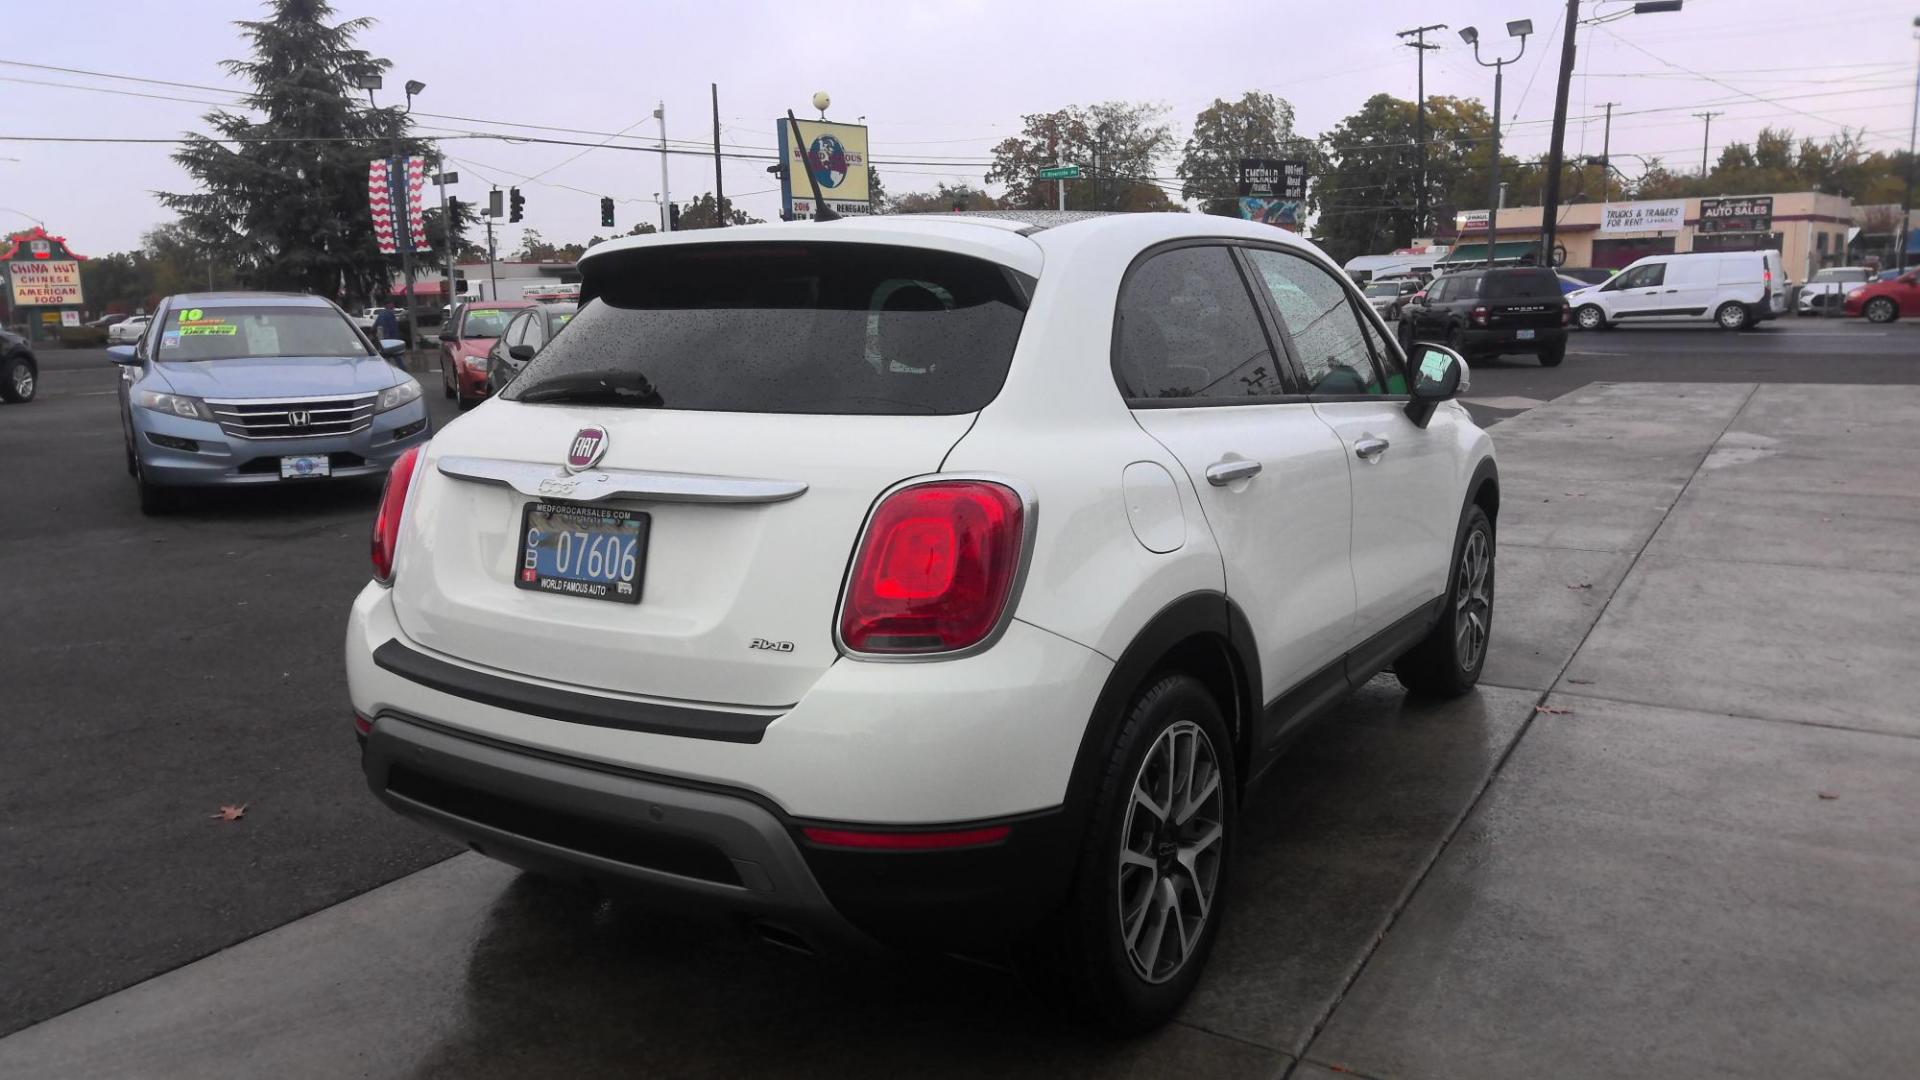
(836, 155)
(1748, 214)
(53, 283)
(1282, 212)
(1282, 178)
(1665, 215)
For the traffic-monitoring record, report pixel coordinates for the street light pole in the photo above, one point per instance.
(1913, 129)
(1519, 28)
(666, 196)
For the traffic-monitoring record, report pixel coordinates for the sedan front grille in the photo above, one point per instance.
(294, 418)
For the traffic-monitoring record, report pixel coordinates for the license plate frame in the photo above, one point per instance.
(537, 520)
(1523, 335)
(305, 466)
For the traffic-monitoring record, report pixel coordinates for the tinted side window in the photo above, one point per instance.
(1642, 277)
(1437, 292)
(1328, 338)
(1188, 329)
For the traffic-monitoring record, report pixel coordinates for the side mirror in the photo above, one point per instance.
(1439, 374)
(522, 353)
(1418, 298)
(122, 354)
(392, 348)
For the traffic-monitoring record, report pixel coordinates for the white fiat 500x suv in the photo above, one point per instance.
(940, 580)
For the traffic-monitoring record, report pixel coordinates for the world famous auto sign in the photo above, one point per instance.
(835, 155)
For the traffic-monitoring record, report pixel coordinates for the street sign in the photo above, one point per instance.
(446, 178)
(1061, 172)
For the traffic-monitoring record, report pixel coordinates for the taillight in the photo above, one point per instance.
(1479, 316)
(386, 525)
(1566, 314)
(1767, 277)
(935, 570)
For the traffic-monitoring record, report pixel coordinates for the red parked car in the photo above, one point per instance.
(1885, 301)
(464, 344)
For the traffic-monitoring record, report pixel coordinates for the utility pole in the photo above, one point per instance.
(1420, 47)
(493, 283)
(719, 192)
(1705, 136)
(666, 196)
(1550, 208)
(1606, 153)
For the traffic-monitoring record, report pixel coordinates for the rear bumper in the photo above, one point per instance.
(713, 847)
(1509, 341)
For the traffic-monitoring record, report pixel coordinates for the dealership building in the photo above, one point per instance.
(1808, 228)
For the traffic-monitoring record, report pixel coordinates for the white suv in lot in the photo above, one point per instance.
(940, 580)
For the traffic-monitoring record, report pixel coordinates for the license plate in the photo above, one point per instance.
(292, 468)
(599, 553)
(1523, 335)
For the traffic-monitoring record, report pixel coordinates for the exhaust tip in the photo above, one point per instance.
(781, 937)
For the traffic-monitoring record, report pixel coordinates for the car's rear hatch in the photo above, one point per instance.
(1522, 299)
(831, 371)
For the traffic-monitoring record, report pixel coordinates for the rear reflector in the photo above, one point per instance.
(386, 524)
(908, 841)
(935, 571)
(362, 725)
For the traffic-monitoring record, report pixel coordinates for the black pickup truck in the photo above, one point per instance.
(1518, 309)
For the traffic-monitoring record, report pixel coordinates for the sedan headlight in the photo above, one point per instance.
(176, 404)
(395, 396)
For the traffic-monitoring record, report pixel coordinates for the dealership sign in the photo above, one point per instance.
(835, 155)
(1471, 220)
(1750, 214)
(53, 283)
(1273, 178)
(1666, 215)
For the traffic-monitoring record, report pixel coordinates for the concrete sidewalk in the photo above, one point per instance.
(1703, 857)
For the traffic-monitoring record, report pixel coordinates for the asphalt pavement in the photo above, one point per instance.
(157, 669)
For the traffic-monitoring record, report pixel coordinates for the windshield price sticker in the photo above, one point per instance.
(170, 339)
(205, 329)
(484, 313)
(1433, 367)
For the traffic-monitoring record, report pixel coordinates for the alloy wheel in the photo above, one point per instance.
(1880, 310)
(1171, 845)
(1473, 600)
(23, 380)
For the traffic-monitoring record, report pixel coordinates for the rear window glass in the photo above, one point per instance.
(785, 328)
(256, 332)
(486, 322)
(1522, 285)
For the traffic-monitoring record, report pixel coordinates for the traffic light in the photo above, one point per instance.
(673, 214)
(453, 208)
(606, 212)
(516, 204)
(493, 203)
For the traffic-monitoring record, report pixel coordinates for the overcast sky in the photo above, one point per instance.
(936, 82)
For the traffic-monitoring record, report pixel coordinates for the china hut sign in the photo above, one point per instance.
(41, 272)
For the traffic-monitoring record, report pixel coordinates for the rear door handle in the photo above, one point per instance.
(1369, 448)
(1222, 473)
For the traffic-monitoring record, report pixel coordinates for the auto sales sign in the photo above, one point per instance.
(54, 283)
(1666, 215)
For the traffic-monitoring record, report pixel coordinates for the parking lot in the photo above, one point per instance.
(1673, 833)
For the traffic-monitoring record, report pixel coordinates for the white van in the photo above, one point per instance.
(1732, 288)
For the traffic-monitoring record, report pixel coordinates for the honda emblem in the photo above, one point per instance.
(300, 418)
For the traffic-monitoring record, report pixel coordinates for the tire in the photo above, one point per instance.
(1553, 355)
(446, 383)
(154, 500)
(1881, 309)
(1135, 987)
(1591, 317)
(18, 384)
(1733, 316)
(1447, 662)
(1457, 340)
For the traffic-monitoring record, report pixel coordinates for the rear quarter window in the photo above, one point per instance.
(785, 328)
(1522, 285)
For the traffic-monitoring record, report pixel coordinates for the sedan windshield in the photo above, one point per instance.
(484, 322)
(233, 333)
(1388, 289)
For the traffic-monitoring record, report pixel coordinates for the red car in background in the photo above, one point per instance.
(464, 344)
(1885, 301)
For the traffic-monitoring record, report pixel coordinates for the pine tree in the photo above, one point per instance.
(283, 196)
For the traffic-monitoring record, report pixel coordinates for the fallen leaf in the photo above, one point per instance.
(1828, 795)
(230, 812)
(1553, 710)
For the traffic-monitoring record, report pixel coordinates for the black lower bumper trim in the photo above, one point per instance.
(567, 705)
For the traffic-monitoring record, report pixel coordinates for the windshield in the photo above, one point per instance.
(232, 333)
(485, 322)
(1841, 275)
(1522, 284)
(1388, 289)
(785, 328)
